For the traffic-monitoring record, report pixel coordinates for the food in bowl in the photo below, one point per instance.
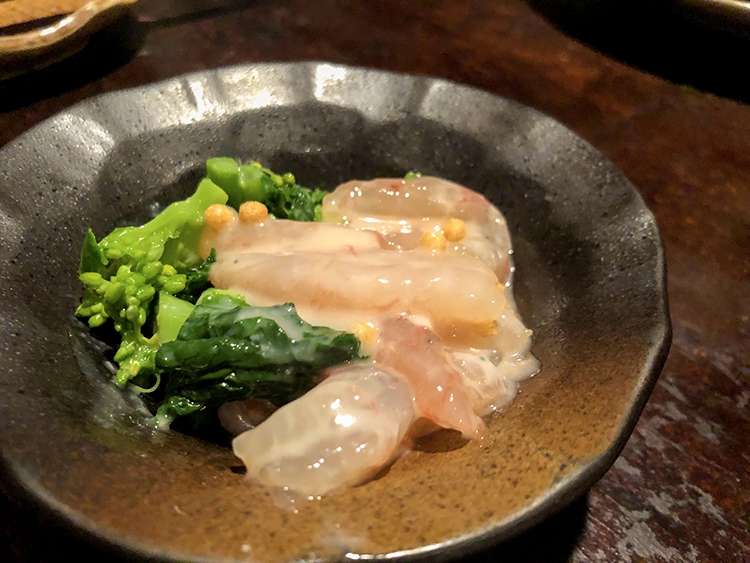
(327, 331)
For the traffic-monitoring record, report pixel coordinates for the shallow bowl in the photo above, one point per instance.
(590, 282)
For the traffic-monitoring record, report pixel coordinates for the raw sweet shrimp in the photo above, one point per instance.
(362, 280)
(338, 434)
(278, 236)
(402, 210)
(439, 392)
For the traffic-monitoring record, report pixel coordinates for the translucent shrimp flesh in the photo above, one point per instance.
(401, 210)
(339, 434)
(282, 237)
(325, 267)
(439, 392)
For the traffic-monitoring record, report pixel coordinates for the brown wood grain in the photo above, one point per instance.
(673, 119)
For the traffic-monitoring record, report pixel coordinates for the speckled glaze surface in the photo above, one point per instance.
(590, 282)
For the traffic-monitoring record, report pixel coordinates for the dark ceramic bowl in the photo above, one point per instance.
(590, 282)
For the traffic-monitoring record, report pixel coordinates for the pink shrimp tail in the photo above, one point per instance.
(418, 354)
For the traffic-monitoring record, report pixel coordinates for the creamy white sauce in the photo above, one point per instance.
(292, 330)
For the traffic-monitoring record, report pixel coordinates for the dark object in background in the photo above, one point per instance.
(684, 44)
(43, 33)
(23, 82)
(105, 42)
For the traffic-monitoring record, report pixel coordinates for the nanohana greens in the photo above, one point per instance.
(282, 195)
(187, 345)
(124, 272)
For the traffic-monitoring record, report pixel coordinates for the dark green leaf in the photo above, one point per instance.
(228, 350)
(197, 280)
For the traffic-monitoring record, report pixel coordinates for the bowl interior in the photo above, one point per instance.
(589, 282)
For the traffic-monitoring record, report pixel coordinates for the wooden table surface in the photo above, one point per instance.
(660, 95)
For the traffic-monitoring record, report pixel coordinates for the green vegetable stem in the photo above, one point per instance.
(124, 271)
(282, 195)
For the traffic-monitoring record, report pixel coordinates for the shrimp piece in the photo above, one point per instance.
(337, 435)
(402, 210)
(427, 196)
(281, 236)
(439, 392)
(365, 284)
